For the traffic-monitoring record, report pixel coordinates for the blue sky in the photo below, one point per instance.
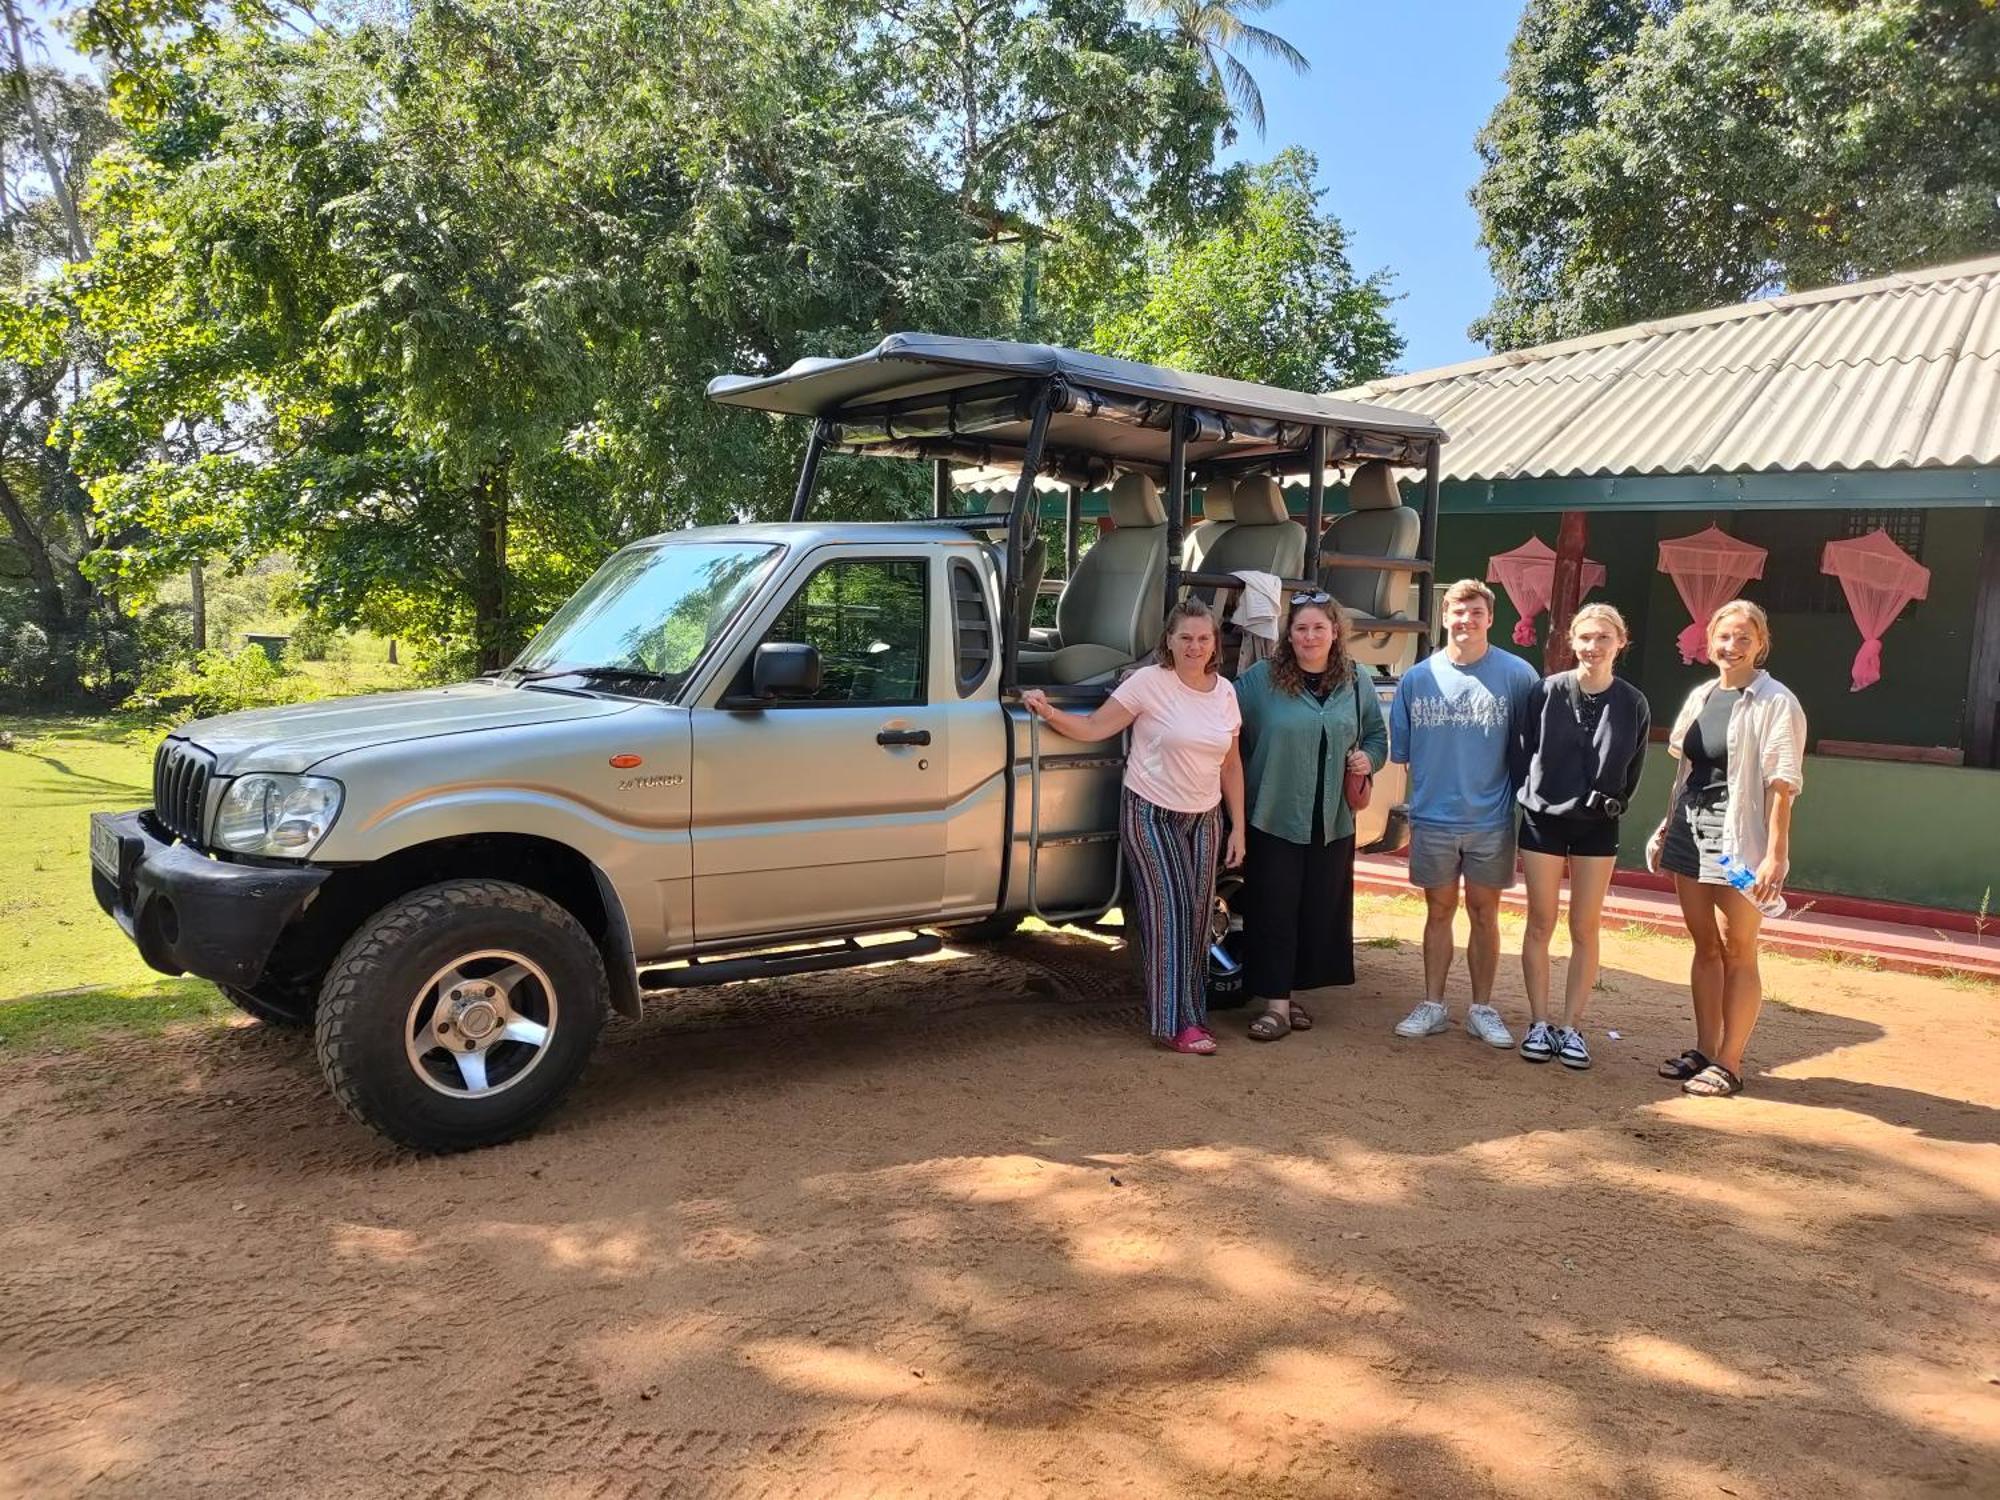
(1396, 94)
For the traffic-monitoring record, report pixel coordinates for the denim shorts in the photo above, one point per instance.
(1484, 856)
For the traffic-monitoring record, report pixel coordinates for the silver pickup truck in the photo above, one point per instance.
(740, 751)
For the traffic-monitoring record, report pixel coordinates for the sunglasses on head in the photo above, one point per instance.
(1312, 596)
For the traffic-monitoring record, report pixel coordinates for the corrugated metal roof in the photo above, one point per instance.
(1902, 372)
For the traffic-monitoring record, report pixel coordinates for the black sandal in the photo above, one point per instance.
(1685, 1066)
(1300, 1020)
(1713, 1082)
(1269, 1027)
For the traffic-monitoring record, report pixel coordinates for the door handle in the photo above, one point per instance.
(903, 737)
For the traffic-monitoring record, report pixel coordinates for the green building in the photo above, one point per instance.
(1786, 423)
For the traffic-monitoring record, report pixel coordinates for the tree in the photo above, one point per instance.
(431, 304)
(1217, 30)
(1652, 158)
(1053, 109)
(1267, 295)
(56, 627)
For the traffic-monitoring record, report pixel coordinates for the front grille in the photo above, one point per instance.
(181, 774)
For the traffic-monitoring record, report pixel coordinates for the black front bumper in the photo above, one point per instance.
(188, 913)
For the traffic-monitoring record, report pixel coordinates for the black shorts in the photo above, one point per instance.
(1546, 833)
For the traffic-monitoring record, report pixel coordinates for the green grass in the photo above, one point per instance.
(1963, 979)
(67, 1019)
(58, 773)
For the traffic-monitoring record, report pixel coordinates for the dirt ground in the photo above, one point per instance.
(950, 1229)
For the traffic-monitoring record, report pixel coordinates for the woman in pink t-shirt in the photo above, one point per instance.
(1182, 769)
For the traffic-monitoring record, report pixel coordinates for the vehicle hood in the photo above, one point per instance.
(299, 736)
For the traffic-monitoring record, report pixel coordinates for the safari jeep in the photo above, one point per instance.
(739, 751)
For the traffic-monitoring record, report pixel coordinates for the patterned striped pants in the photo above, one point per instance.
(1172, 858)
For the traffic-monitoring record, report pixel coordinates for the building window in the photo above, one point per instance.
(1792, 582)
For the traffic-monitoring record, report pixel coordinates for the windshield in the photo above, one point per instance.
(647, 615)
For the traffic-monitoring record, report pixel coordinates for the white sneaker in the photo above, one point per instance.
(1427, 1019)
(1484, 1022)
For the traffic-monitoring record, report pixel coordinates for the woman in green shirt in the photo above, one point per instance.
(1309, 716)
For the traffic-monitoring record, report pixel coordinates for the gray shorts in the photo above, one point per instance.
(1484, 856)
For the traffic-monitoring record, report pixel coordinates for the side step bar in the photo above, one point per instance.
(846, 954)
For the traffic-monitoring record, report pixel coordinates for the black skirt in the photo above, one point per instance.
(1298, 915)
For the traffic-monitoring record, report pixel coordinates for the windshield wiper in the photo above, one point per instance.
(619, 674)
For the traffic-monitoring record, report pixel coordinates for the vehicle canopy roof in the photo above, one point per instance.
(933, 396)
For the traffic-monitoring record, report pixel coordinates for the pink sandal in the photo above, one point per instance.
(1190, 1039)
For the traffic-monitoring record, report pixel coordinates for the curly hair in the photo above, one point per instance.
(1189, 609)
(1286, 675)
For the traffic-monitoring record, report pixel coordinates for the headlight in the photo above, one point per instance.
(287, 816)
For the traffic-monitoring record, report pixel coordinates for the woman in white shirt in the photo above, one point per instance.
(1740, 741)
(1182, 769)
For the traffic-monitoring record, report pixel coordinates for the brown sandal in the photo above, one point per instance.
(1270, 1027)
(1300, 1020)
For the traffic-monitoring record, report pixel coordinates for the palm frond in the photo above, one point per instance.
(1242, 86)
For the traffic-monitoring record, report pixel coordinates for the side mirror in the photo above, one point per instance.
(782, 669)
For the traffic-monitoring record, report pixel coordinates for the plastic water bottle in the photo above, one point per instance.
(1744, 879)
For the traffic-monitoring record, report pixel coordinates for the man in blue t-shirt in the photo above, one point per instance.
(1452, 722)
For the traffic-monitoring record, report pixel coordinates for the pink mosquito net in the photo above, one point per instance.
(1528, 574)
(1708, 569)
(1879, 578)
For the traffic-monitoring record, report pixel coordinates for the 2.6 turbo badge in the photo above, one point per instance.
(647, 783)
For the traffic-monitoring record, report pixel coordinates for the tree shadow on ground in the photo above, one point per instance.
(860, 1233)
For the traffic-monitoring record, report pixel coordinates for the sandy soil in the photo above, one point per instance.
(949, 1229)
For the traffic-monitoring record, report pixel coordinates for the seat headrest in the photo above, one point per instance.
(1135, 501)
(1218, 501)
(1259, 501)
(1373, 487)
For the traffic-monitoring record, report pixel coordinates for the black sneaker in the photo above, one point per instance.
(1570, 1051)
(1540, 1043)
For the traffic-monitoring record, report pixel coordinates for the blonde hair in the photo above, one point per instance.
(1467, 588)
(1609, 615)
(1759, 622)
(1190, 609)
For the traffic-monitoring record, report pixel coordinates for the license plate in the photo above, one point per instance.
(104, 849)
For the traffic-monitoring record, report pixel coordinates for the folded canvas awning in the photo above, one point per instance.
(920, 395)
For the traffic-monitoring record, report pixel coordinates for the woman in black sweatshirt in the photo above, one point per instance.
(1577, 757)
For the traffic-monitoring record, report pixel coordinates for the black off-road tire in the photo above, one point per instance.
(287, 1006)
(365, 1003)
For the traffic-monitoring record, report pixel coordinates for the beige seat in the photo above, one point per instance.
(1218, 510)
(1375, 524)
(1111, 609)
(1263, 538)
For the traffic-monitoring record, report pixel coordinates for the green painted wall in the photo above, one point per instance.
(1917, 833)
(1924, 834)
(1926, 654)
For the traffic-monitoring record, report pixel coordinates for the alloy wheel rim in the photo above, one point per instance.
(481, 1024)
